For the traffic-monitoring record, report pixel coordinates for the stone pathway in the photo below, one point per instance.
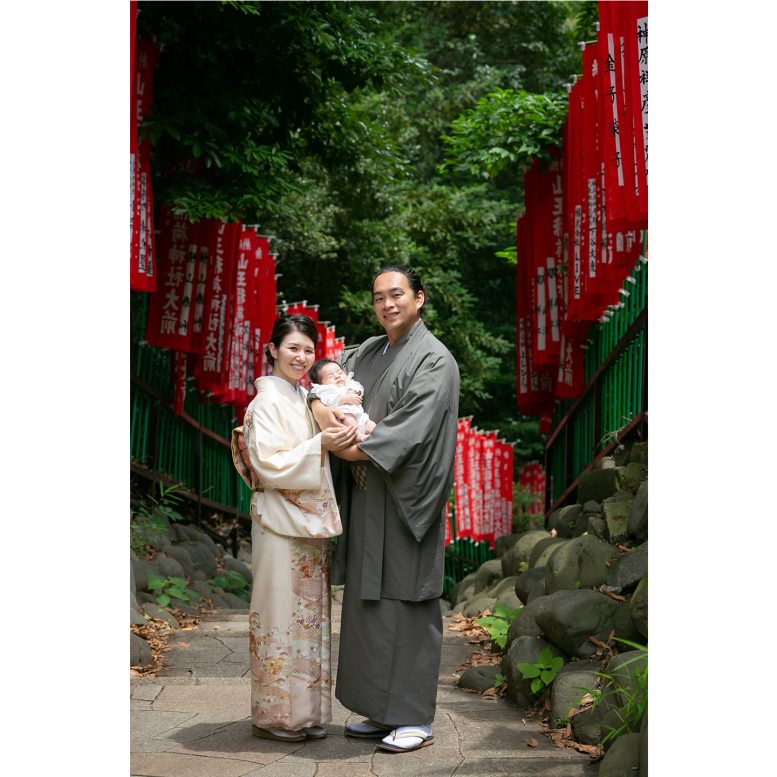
(192, 721)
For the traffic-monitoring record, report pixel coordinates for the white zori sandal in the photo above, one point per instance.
(404, 739)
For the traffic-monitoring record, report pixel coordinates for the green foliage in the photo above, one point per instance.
(232, 582)
(505, 128)
(500, 679)
(498, 623)
(543, 672)
(170, 588)
(150, 520)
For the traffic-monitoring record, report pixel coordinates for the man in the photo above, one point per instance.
(392, 503)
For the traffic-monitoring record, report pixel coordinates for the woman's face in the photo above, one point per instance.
(294, 357)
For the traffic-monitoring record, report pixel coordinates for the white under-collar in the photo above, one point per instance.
(295, 389)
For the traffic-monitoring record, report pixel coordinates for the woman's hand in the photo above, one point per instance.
(352, 453)
(336, 438)
(326, 417)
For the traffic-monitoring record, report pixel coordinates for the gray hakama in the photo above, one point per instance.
(391, 554)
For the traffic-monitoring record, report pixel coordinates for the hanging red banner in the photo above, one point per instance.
(142, 261)
(168, 305)
(222, 243)
(460, 460)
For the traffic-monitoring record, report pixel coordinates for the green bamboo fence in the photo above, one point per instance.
(614, 396)
(191, 450)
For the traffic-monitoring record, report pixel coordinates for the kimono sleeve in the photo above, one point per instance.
(276, 460)
(414, 445)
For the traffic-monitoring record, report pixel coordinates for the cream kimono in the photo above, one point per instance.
(294, 515)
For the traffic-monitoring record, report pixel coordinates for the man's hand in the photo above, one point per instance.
(326, 417)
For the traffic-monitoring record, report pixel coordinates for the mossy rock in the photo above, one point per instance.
(598, 484)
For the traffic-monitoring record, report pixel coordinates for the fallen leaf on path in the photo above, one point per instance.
(533, 742)
(184, 644)
(614, 596)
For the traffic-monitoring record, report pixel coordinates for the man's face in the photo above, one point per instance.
(332, 374)
(395, 304)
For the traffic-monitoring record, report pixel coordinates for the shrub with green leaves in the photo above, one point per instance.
(170, 588)
(543, 672)
(232, 582)
(149, 521)
(498, 623)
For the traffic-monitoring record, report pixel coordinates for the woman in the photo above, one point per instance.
(294, 515)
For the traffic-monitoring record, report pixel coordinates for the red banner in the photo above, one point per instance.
(168, 306)
(142, 260)
(222, 240)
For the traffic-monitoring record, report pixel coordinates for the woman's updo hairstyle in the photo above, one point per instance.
(413, 280)
(285, 326)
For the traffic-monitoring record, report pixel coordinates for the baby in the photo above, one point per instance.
(336, 389)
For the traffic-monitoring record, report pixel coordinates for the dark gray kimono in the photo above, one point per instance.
(391, 553)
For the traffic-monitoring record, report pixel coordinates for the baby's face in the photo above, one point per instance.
(332, 374)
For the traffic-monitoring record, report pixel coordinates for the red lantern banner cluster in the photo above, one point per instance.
(482, 485)
(216, 303)
(579, 236)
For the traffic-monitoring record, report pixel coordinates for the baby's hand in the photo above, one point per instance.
(351, 397)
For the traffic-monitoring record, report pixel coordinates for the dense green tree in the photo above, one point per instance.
(324, 123)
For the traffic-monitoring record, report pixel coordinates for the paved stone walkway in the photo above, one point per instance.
(192, 721)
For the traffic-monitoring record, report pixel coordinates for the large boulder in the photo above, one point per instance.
(504, 543)
(638, 607)
(572, 683)
(504, 593)
(643, 745)
(487, 575)
(524, 624)
(155, 611)
(626, 571)
(637, 520)
(597, 527)
(181, 555)
(523, 650)
(634, 475)
(238, 566)
(622, 758)
(169, 567)
(476, 605)
(565, 520)
(234, 602)
(140, 571)
(625, 689)
(598, 484)
(542, 550)
(140, 652)
(578, 563)
(568, 618)
(521, 551)
(616, 513)
(479, 678)
(136, 616)
(463, 589)
(201, 555)
(586, 727)
(639, 453)
(530, 584)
